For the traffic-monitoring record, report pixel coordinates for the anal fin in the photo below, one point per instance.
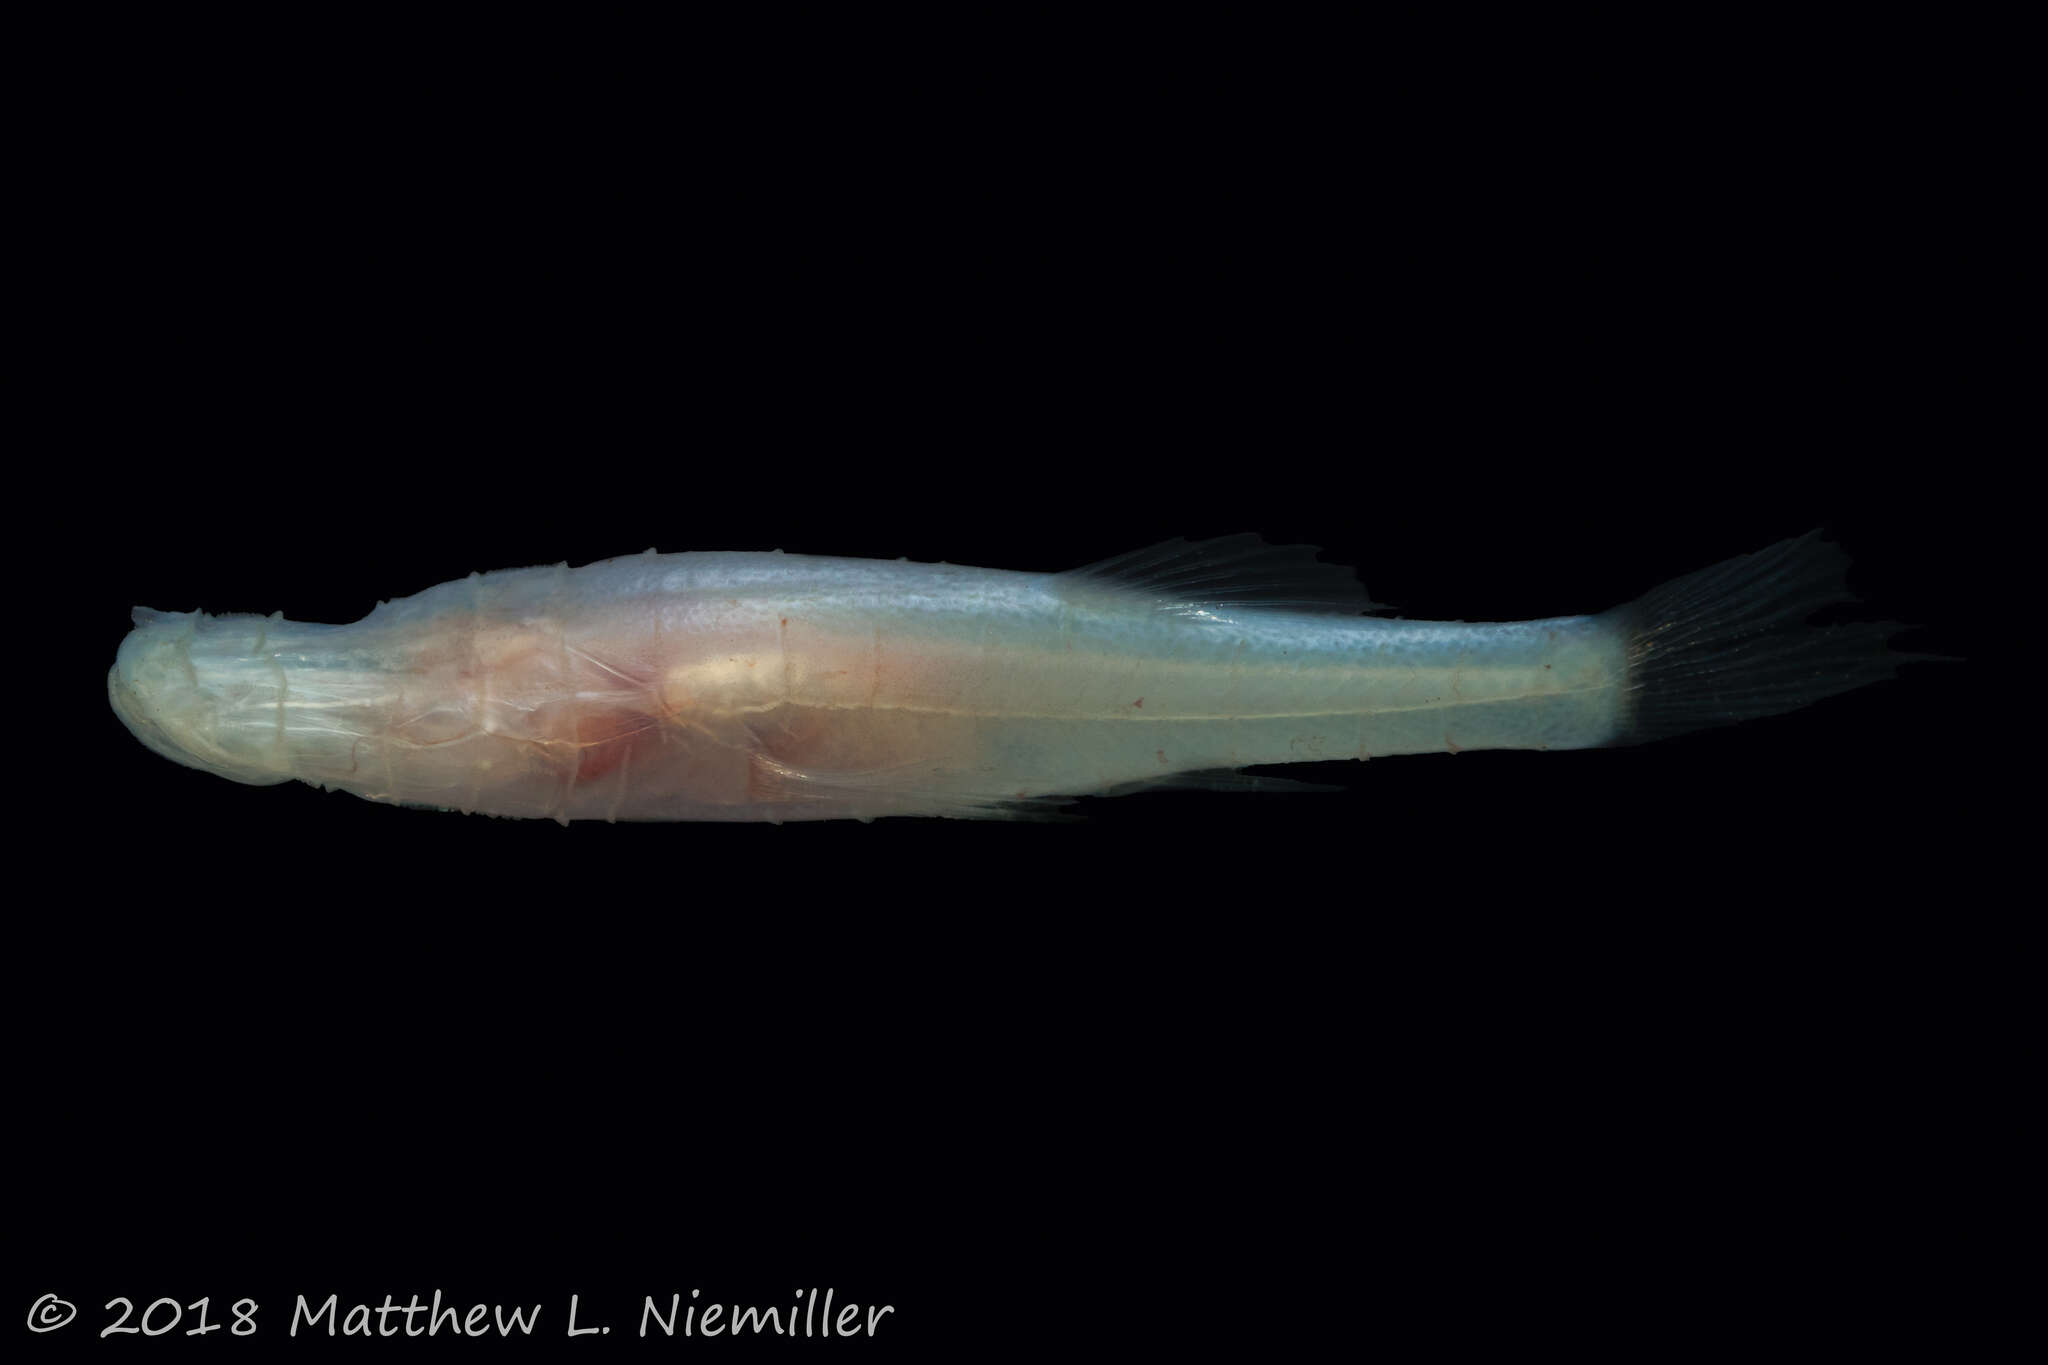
(1220, 780)
(908, 789)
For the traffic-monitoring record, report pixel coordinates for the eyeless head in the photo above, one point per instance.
(169, 687)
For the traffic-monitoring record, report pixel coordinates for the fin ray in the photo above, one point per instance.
(1732, 642)
(1229, 573)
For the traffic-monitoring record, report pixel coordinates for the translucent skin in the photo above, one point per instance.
(781, 687)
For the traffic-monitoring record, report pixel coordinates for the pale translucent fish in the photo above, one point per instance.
(741, 686)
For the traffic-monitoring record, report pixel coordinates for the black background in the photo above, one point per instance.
(1550, 1045)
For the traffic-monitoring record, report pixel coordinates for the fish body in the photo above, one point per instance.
(766, 686)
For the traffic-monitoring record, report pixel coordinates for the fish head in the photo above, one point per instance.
(176, 685)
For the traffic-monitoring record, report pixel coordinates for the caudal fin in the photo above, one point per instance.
(1733, 642)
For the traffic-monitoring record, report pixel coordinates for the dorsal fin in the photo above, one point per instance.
(1229, 573)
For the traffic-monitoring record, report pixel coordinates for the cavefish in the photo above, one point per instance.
(772, 686)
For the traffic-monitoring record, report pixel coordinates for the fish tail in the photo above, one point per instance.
(1733, 642)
